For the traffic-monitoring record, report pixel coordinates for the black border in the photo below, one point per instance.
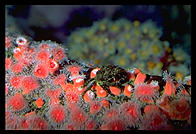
(81, 2)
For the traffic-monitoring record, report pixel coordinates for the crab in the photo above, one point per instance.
(107, 76)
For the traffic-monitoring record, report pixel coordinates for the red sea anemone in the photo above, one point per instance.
(128, 90)
(58, 53)
(29, 84)
(140, 78)
(116, 124)
(18, 53)
(17, 102)
(38, 123)
(95, 107)
(151, 108)
(170, 88)
(57, 113)
(100, 91)
(8, 42)
(44, 46)
(43, 56)
(74, 69)
(78, 82)
(89, 96)
(8, 62)
(179, 109)
(145, 91)
(54, 95)
(93, 72)
(60, 79)
(52, 65)
(41, 71)
(71, 126)
(90, 125)
(24, 124)
(154, 119)
(15, 81)
(72, 97)
(11, 121)
(111, 113)
(78, 116)
(131, 112)
(17, 68)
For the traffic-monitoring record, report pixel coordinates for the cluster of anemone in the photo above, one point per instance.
(125, 43)
(46, 90)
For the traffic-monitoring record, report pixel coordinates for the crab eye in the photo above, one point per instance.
(154, 83)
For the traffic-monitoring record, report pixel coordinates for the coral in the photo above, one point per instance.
(47, 90)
